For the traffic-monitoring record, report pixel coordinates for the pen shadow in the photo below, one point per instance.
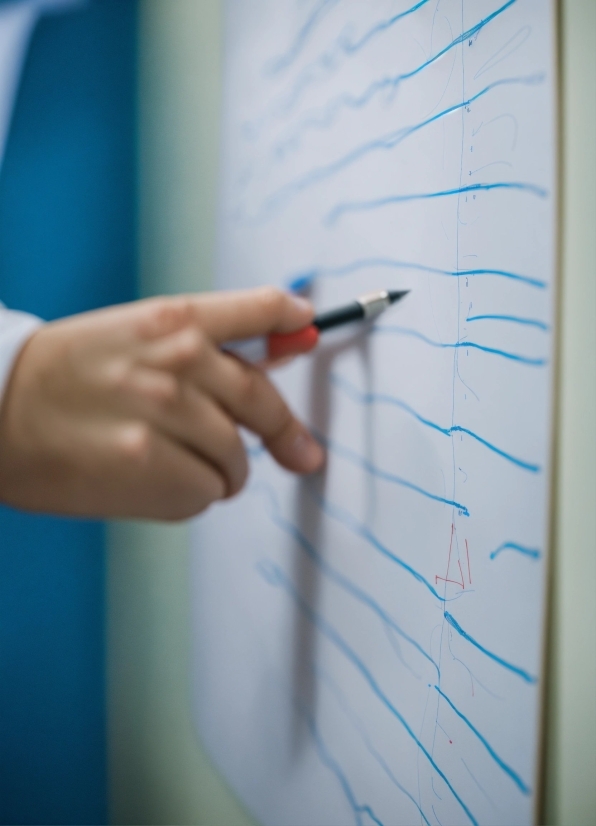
(307, 574)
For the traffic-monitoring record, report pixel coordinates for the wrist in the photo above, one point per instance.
(15, 330)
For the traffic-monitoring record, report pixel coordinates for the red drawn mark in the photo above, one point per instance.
(453, 581)
(468, 556)
(461, 574)
(446, 577)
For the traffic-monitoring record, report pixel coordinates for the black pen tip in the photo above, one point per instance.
(396, 295)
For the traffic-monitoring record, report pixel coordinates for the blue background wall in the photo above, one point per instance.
(67, 244)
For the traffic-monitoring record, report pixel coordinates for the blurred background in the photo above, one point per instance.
(108, 192)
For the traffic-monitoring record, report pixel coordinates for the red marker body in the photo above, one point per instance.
(277, 346)
(280, 345)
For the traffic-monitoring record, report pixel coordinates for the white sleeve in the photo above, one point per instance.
(17, 21)
(15, 329)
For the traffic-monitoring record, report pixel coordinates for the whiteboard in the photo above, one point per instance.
(369, 641)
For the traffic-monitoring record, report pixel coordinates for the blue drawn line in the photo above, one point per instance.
(365, 464)
(282, 62)
(530, 322)
(350, 48)
(507, 769)
(348, 521)
(478, 784)
(533, 553)
(357, 724)
(387, 142)
(519, 671)
(365, 206)
(333, 574)
(303, 280)
(533, 468)
(351, 101)
(505, 50)
(405, 331)
(328, 760)
(275, 576)
(381, 398)
(328, 60)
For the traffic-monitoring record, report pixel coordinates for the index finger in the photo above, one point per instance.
(226, 316)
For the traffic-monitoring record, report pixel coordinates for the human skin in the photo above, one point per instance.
(134, 410)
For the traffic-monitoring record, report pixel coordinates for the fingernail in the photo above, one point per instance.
(308, 452)
(302, 304)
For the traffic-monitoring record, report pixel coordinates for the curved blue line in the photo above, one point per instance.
(501, 763)
(285, 60)
(336, 576)
(405, 331)
(435, 814)
(348, 521)
(324, 678)
(350, 48)
(303, 280)
(360, 461)
(370, 398)
(519, 671)
(351, 101)
(327, 60)
(364, 206)
(333, 636)
(328, 760)
(381, 398)
(533, 468)
(533, 553)
(387, 142)
(530, 322)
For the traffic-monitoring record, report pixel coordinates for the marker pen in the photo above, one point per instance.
(279, 345)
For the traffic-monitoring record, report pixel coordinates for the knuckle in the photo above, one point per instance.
(165, 392)
(118, 376)
(272, 300)
(161, 316)
(166, 314)
(135, 442)
(195, 345)
(249, 388)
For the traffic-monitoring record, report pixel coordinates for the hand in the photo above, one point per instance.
(133, 411)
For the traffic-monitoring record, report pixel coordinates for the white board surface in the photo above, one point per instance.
(368, 641)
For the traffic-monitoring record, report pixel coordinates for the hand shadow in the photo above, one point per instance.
(309, 520)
